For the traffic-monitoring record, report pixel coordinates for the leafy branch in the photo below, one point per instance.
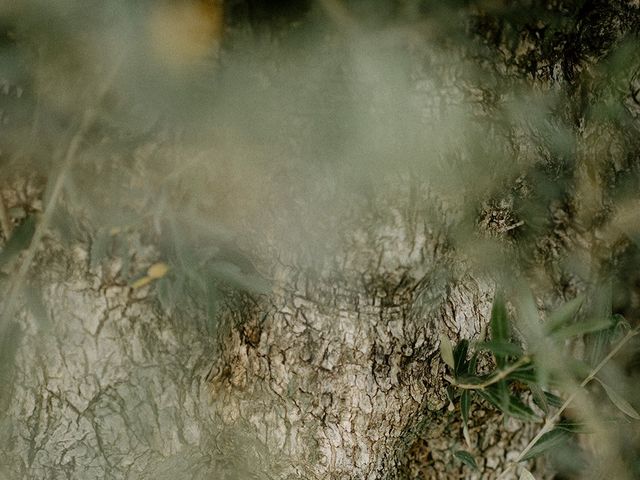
(515, 368)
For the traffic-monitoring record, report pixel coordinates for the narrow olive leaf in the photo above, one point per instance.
(597, 343)
(622, 405)
(573, 427)
(501, 348)
(466, 458)
(446, 351)
(517, 409)
(564, 315)
(460, 358)
(499, 327)
(499, 320)
(538, 396)
(473, 363)
(552, 439)
(496, 395)
(525, 373)
(553, 400)
(509, 404)
(465, 403)
(491, 397)
(581, 328)
(20, 240)
(526, 475)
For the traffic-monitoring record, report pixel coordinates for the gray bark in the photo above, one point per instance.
(329, 375)
(333, 370)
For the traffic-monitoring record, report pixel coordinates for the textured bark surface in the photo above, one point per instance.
(330, 375)
(333, 370)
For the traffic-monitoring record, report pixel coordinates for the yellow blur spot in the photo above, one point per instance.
(184, 32)
(141, 282)
(157, 270)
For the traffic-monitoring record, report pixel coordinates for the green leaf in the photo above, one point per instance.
(538, 396)
(19, 241)
(473, 362)
(466, 458)
(525, 373)
(564, 315)
(622, 405)
(597, 343)
(573, 427)
(460, 358)
(508, 404)
(465, 403)
(518, 409)
(553, 400)
(554, 438)
(492, 397)
(501, 348)
(446, 351)
(499, 326)
(581, 328)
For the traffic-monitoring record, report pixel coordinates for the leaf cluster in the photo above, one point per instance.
(517, 379)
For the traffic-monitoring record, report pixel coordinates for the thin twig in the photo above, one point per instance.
(498, 376)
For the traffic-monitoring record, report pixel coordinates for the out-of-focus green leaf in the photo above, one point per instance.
(525, 373)
(99, 247)
(552, 439)
(499, 327)
(581, 328)
(460, 358)
(466, 458)
(553, 400)
(446, 351)
(35, 304)
(473, 363)
(622, 405)
(248, 281)
(465, 403)
(504, 349)
(20, 240)
(573, 427)
(498, 396)
(538, 396)
(564, 314)
(10, 337)
(597, 343)
(519, 410)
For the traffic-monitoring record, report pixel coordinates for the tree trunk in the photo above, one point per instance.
(329, 375)
(312, 350)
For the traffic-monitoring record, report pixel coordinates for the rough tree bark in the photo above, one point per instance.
(333, 372)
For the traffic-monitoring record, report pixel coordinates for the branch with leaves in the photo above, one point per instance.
(514, 368)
